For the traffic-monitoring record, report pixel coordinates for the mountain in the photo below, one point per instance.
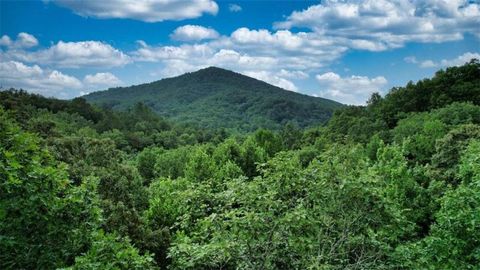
(219, 98)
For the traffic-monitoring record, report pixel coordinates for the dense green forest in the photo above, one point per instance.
(391, 185)
(215, 97)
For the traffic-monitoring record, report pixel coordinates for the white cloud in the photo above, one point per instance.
(293, 74)
(282, 49)
(185, 52)
(457, 61)
(234, 8)
(284, 38)
(460, 60)
(35, 79)
(427, 64)
(52, 82)
(283, 55)
(143, 10)
(72, 55)
(236, 60)
(272, 79)
(102, 79)
(187, 58)
(377, 25)
(5, 41)
(349, 90)
(24, 40)
(193, 33)
(411, 60)
(141, 43)
(298, 51)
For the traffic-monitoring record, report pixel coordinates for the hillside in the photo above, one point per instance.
(215, 97)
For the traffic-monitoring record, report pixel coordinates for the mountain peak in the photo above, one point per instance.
(213, 68)
(213, 73)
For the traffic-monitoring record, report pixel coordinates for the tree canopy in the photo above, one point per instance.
(392, 185)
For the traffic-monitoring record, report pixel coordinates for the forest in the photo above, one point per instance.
(394, 184)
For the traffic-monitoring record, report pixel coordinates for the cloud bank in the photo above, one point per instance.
(378, 25)
(51, 82)
(457, 61)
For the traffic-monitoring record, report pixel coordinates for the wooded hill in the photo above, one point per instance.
(219, 98)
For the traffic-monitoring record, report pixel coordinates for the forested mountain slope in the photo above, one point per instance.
(215, 97)
(391, 185)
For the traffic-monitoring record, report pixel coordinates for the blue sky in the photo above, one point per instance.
(342, 50)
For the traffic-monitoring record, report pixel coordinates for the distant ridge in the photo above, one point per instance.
(218, 98)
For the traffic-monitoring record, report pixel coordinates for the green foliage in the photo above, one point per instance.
(85, 155)
(172, 163)
(455, 84)
(449, 148)
(424, 129)
(45, 220)
(111, 252)
(22, 102)
(295, 218)
(200, 167)
(269, 141)
(354, 124)
(146, 161)
(454, 240)
(131, 130)
(252, 154)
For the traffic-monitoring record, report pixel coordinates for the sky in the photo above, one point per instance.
(340, 50)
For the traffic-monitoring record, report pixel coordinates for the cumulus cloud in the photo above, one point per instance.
(232, 58)
(99, 81)
(234, 8)
(193, 33)
(102, 79)
(184, 52)
(272, 79)
(283, 38)
(33, 78)
(249, 52)
(350, 90)
(410, 60)
(457, 61)
(187, 58)
(287, 50)
(203, 55)
(293, 74)
(377, 25)
(300, 51)
(143, 10)
(72, 55)
(427, 64)
(24, 40)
